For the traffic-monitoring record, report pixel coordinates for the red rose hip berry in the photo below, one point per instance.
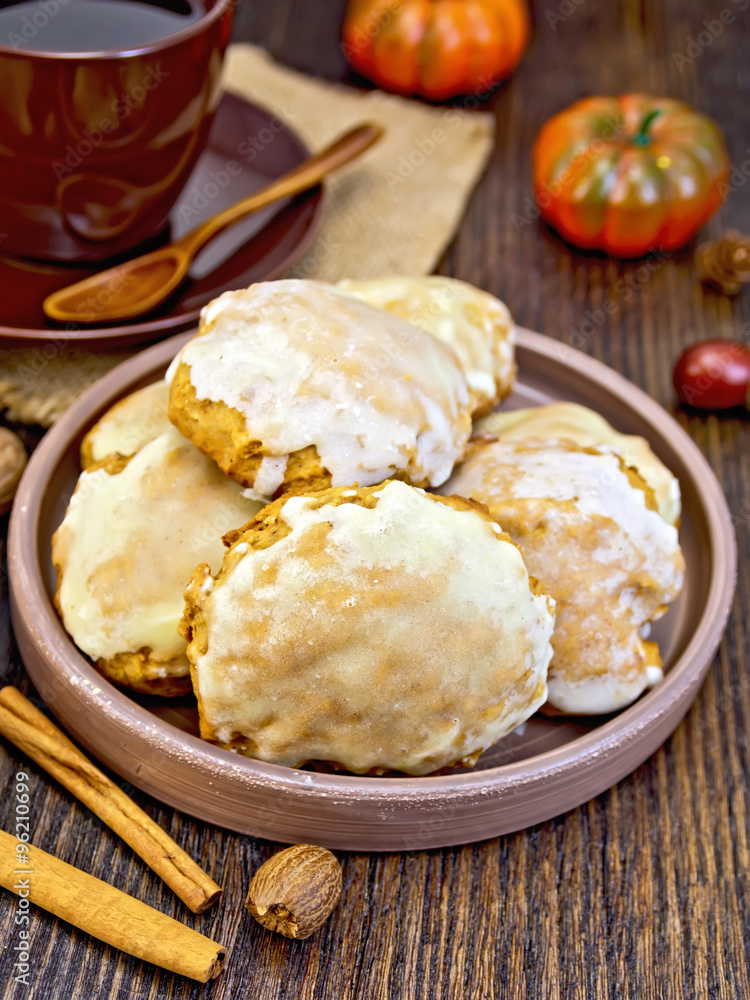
(713, 375)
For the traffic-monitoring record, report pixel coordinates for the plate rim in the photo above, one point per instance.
(646, 721)
(133, 334)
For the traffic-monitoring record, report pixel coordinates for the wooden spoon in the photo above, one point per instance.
(138, 285)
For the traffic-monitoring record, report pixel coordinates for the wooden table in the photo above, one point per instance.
(643, 892)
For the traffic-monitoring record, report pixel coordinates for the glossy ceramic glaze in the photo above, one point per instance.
(263, 246)
(135, 287)
(531, 776)
(96, 146)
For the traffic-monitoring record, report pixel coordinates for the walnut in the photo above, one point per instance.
(12, 463)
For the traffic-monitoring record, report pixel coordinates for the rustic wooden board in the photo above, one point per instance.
(643, 892)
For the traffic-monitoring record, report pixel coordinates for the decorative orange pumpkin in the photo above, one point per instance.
(435, 48)
(629, 174)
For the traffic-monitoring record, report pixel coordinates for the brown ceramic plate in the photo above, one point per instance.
(552, 766)
(261, 247)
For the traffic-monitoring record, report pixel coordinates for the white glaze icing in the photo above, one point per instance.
(270, 476)
(129, 543)
(653, 676)
(131, 423)
(400, 636)
(476, 324)
(305, 363)
(573, 422)
(586, 532)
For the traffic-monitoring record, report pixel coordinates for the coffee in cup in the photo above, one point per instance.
(105, 106)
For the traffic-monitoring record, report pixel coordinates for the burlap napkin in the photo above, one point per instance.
(394, 211)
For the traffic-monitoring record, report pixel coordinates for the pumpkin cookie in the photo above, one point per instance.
(476, 325)
(128, 425)
(378, 628)
(133, 533)
(589, 529)
(585, 427)
(295, 385)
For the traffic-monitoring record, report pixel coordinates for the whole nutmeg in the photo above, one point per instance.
(295, 891)
(12, 462)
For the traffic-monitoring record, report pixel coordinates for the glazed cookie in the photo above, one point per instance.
(589, 529)
(582, 426)
(378, 628)
(133, 533)
(295, 385)
(128, 425)
(476, 325)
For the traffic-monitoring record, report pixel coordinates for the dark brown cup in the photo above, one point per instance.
(96, 146)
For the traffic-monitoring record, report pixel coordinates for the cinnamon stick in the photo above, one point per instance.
(40, 739)
(107, 913)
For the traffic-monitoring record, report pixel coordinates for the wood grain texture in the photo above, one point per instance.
(643, 892)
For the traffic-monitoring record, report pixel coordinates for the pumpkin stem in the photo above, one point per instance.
(642, 138)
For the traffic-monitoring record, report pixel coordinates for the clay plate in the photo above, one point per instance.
(263, 246)
(552, 766)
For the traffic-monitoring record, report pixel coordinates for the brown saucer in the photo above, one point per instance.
(552, 766)
(262, 247)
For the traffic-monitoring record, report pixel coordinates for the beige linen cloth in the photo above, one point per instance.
(393, 211)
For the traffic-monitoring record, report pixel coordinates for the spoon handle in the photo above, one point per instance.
(306, 175)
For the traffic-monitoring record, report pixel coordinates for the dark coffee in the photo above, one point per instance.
(92, 25)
